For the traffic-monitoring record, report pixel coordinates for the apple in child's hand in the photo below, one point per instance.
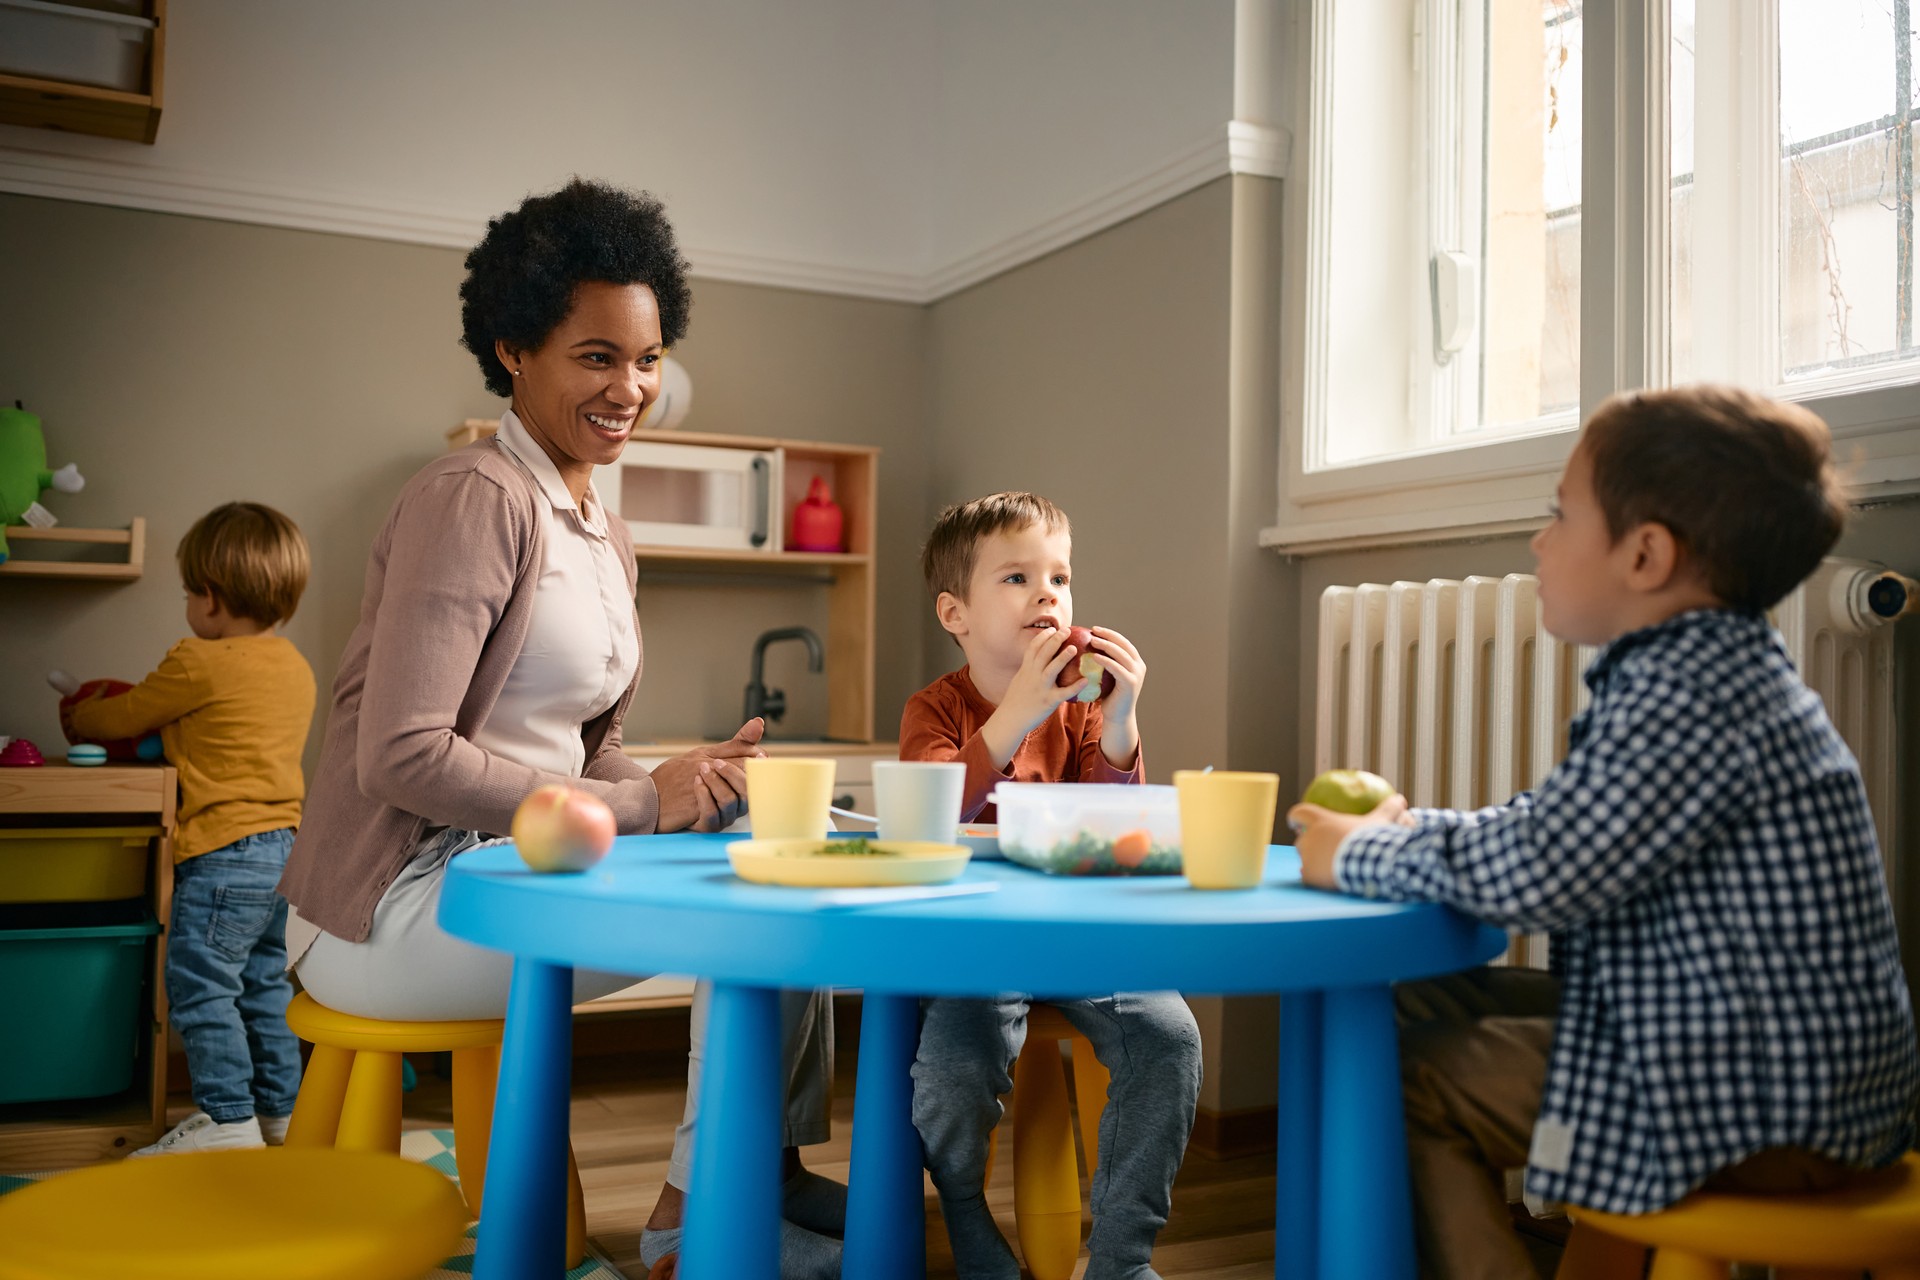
(1348, 791)
(559, 828)
(1088, 664)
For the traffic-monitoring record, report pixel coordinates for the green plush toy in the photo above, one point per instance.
(24, 475)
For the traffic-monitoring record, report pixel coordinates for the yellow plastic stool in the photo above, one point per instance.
(1046, 1178)
(350, 1095)
(234, 1215)
(1871, 1224)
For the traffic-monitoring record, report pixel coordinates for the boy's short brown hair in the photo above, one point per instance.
(253, 559)
(954, 544)
(1745, 483)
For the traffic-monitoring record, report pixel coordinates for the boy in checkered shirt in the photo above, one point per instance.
(1726, 1006)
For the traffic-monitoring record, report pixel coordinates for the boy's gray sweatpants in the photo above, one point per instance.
(1149, 1044)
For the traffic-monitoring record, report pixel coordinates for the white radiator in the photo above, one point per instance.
(1454, 692)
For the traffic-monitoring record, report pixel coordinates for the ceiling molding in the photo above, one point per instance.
(1235, 148)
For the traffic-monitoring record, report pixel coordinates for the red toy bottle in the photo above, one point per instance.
(817, 521)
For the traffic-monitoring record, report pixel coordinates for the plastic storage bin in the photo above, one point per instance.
(73, 864)
(1089, 829)
(70, 985)
(75, 44)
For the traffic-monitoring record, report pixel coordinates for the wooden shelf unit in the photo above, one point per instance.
(133, 538)
(849, 577)
(35, 1137)
(85, 108)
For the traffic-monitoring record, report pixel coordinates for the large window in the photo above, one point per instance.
(1507, 209)
(1835, 118)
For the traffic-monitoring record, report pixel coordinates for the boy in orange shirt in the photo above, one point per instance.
(232, 705)
(998, 568)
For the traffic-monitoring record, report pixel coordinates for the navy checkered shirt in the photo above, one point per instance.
(1706, 863)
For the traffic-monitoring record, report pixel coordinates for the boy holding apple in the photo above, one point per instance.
(998, 568)
(1727, 1007)
(232, 705)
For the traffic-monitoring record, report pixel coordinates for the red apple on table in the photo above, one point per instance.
(560, 828)
(1088, 664)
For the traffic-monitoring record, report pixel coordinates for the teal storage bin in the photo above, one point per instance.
(70, 1000)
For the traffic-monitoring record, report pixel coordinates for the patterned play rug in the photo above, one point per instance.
(432, 1147)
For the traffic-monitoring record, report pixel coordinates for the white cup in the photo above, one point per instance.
(918, 799)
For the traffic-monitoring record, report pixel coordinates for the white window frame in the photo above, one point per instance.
(1454, 490)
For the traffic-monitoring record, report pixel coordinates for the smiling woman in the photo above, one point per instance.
(498, 649)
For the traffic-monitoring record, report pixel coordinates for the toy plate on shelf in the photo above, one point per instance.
(850, 862)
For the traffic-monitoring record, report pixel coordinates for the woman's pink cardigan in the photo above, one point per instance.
(450, 586)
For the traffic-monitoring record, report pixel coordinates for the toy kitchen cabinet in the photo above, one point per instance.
(852, 473)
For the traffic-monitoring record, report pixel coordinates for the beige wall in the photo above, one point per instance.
(1098, 377)
(1132, 379)
(183, 363)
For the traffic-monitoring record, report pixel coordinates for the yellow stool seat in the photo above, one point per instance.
(1046, 1177)
(350, 1095)
(234, 1215)
(1872, 1223)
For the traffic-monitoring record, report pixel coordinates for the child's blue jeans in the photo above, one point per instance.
(227, 979)
(1150, 1044)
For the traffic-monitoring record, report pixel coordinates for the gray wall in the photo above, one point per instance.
(1098, 377)
(183, 363)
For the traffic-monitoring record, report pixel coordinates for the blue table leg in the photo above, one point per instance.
(523, 1234)
(886, 1209)
(733, 1205)
(1296, 1208)
(1366, 1203)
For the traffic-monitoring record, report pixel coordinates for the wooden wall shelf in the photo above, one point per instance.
(133, 538)
(85, 108)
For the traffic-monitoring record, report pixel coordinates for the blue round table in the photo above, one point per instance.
(671, 904)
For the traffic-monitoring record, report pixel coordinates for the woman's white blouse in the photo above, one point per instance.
(583, 645)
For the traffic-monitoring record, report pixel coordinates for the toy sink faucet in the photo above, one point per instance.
(24, 475)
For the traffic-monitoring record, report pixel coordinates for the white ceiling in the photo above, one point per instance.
(891, 148)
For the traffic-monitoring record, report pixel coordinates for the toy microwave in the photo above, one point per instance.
(695, 495)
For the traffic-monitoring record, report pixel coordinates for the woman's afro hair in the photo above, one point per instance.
(522, 275)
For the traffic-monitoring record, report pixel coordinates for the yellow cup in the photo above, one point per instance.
(1226, 824)
(787, 798)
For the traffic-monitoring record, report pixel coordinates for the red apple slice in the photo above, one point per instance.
(1088, 665)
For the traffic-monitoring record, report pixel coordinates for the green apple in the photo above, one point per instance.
(1348, 791)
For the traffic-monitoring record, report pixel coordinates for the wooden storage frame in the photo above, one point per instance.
(133, 537)
(86, 108)
(41, 1136)
(850, 596)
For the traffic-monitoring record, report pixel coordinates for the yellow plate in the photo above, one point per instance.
(794, 862)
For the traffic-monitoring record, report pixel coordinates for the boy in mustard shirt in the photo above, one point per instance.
(232, 705)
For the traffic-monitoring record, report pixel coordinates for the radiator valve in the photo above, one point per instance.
(1876, 596)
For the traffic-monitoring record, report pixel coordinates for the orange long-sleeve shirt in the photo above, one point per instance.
(943, 720)
(233, 717)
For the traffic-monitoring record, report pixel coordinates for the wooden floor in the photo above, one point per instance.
(625, 1107)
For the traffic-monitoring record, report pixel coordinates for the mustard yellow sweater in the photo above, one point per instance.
(233, 717)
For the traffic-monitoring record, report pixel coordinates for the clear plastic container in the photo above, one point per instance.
(1089, 829)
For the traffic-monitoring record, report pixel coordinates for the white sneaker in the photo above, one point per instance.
(273, 1129)
(198, 1132)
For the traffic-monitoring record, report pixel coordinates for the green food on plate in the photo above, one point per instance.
(855, 848)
